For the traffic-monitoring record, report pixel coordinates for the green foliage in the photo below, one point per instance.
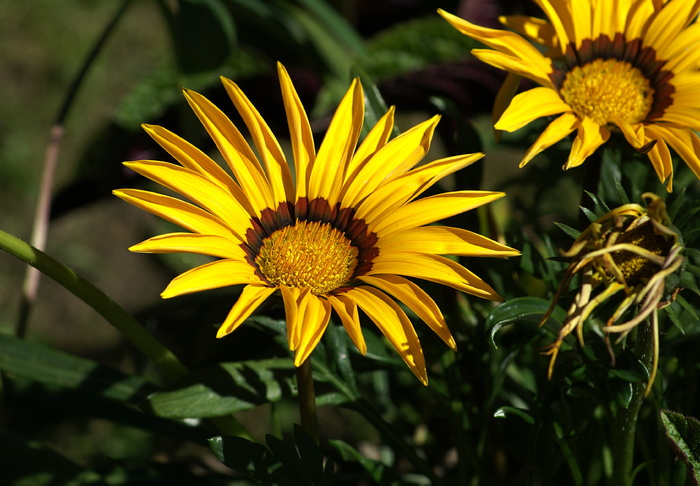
(684, 433)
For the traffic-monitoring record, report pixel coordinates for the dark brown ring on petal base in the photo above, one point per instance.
(632, 52)
(315, 210)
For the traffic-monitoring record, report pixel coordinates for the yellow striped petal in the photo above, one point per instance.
(390, 161)
(415, 299)
(685, 142)
(299, 132)
(214, 275)
(664, 28)
(444, 240)
(394, 324)
(337, 147)
(235, 150)
(531, 105)
(409, 186)
(190, 156)
(347, 311)
(197, 189)
(377, 137)
(660, 157)
(278, 174)
(430, 209)
(249, 300)
(207, 244)
(177, 212)
(433, 268)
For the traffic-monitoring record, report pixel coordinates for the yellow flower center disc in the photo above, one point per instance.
(604, 89)
(635, 268)
(307, 254)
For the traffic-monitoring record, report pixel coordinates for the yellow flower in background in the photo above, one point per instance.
(340, 236)
(632, 250)
(609, 65)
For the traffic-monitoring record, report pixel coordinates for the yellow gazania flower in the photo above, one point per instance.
(342, 236)
(610, 65)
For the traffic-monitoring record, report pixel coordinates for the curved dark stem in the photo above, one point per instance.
(307, 399)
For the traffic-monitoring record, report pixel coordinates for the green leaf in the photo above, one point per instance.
(43, 364)
(380, 472)
(684, 433)
(28, 463)
(244, 456)
(503, 412)
(225, 388)
(203, 35)
(518, 309)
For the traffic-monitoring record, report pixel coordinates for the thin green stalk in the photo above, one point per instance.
(625, 422)
(171, 367)
(307, 399)
(43, 208)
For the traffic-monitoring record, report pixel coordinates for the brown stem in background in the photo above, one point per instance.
(43, 208)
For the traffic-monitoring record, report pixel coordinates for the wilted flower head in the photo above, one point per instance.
(632, 250)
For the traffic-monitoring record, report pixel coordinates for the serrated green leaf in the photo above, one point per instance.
(225, 388)
(574, 233)
(684, 433)
(517, 309)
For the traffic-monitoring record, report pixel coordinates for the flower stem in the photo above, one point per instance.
(625, 421)
(307, 399)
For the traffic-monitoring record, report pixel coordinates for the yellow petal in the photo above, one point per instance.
(338, 145)
(529, 106)
(347, 311)
(444, 240)
(178, 212)
(682, 52)
(685, 142)
(394, 324)
(514, 65)
(590, 136)
(532, 64)
(211, 245)
(235, 150)
(431, 209)
(666, 26)
(390, 161)
(278, 173)
(313, 321)
(536, 29)
(197, 189)
(555, 131)
(249, 300)
(299, 132)
(417, 300)
(559, 16)
(214, 275)
(388, 197)
(581, 20)
(660, 157)
(433, 268)
(505, 95)
(290, 297)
